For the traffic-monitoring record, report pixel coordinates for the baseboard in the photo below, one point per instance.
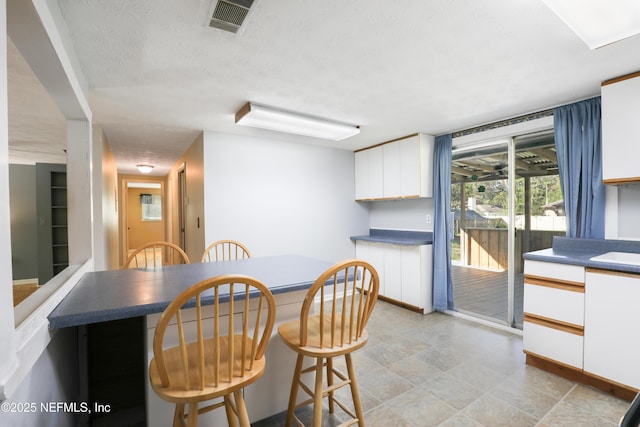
(579, 376)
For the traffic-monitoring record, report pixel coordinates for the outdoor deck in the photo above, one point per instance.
(484, 292)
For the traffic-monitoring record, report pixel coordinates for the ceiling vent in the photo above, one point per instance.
(229, 15)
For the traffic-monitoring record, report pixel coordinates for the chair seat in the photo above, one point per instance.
(177, 392)
(290, 333)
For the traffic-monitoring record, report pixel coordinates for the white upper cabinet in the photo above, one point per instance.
(621, 129)
(396, 169)
(369, 178)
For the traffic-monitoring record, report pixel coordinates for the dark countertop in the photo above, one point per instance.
(118, 294)
(397, 237)
(573, 251)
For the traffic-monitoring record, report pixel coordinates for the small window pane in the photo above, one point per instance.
(151, 207)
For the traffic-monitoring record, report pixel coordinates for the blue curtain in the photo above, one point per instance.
(442, 223)
(579, 150)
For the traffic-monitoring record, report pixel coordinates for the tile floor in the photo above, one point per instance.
(439, 370)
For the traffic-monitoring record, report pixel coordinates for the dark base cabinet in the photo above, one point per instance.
(115, 357)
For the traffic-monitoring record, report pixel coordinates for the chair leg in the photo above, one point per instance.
(294, 390)
(317, 394)
(355, 394)
(330, 383)
(228, 407)
(178, 415)
(192, 421)
(241, 408)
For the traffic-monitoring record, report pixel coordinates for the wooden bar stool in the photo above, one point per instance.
(156, 254)
(224, 250)
(217, 364)
(332, 323)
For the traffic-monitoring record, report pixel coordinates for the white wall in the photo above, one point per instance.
(192, 161)
(105, 219)
(628, 208)
(410, 214)
(281, 197)
(53, 378)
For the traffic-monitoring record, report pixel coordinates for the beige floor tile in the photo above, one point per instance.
(567, 415)
(531, 400)
(384, 384)
(414, 370)
(456, 393)
(596, 402)
(421, 408)
(493, 412)
(477, 375)
(384, 416)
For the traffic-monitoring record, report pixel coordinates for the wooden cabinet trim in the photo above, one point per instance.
(554, 324)
(554, 283)
(621, 181)
(620, 78)
(389, 198)
(386, 142)
(613, 272)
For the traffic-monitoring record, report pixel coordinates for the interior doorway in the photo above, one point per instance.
(143, 213)
(182, 203)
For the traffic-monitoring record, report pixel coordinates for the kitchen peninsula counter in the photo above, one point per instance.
(119, 294)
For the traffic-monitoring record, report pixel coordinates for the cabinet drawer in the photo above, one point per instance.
(554, 271)
(554, 344)
(558, 304)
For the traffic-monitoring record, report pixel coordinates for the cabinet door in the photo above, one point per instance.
(393, 271)
(373, 253)
(554, 344)
(620, 126)
(376, 173)
(362, 175)
(611, 347)
(409, 153)
(392, 170)
(412, 283)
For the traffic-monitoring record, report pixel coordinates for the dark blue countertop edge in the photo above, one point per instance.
(566, 250)
(397, 237)
(68, 320)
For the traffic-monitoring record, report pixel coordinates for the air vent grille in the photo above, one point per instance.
(230, 15)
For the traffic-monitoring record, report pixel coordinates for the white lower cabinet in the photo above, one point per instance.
(554, 312)
(585, 319)
(405, 271)
(372, 253)
(611, 345)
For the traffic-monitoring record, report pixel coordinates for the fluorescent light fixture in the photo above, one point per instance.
(598, 22)
(263, 117)
(145, 168)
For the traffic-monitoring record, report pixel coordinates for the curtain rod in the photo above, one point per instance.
(515, 120)
(503, 123)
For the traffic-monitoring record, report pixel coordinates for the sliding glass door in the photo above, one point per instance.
(499, 214)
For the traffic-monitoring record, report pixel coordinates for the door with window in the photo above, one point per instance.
(506, 200)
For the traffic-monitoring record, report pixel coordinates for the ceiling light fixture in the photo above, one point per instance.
(145, 168)
(596, 22)
(263, 117)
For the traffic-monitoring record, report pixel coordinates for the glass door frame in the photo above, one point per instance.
(509, 142)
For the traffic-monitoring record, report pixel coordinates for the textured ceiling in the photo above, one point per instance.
(37, 130)
(158, 75)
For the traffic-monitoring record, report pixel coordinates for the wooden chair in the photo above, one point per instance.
(224, 250)
(146, 256)
(195, 372)
(332, 323)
